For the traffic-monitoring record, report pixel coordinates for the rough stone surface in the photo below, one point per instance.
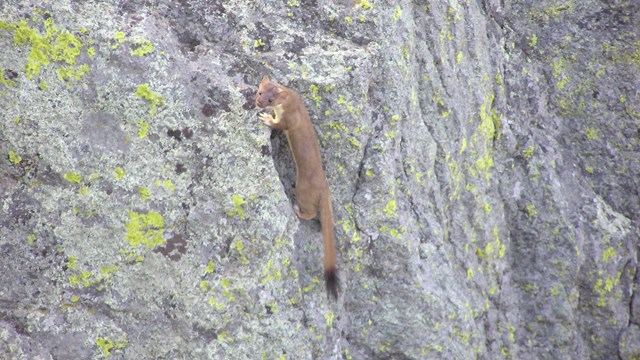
(630, 343)
(483, 159)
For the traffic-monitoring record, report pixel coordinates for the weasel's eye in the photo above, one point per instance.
(270, 100)
(259, 93)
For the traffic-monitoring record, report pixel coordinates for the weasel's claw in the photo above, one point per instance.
(266, 118)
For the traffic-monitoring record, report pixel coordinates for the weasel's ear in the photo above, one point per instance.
(265, 79)
(281, 93)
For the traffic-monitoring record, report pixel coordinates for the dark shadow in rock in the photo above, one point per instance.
(174, 248)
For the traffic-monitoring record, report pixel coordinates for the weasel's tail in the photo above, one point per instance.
(330, 269)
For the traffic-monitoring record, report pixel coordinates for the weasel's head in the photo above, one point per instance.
(268, 93)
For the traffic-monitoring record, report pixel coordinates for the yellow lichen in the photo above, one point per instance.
(238, 201)
(14, 158)
(119, 173)
(142, 47)
(144, 92)
(145, 229)
(72, 177)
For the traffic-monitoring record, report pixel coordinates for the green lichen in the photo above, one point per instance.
(348, 19)
(484, 164)
(271, 273)
(337, 126)
(258, 43)
(144, 193)
(555, 290)
(592, 133)
(329, 317)
(608, 254)
(14, 158)
(72, 177)
(166, 183)
(562, 83)
(555, 10)
(314, 95)
(66, 48)
(490, 121)
(397, 13)
(446, 35)
(393, 231)
(502, 248)
(145, 229)
(531, 210)
(40, 48)
(390, 208)
(144, 92)
(66, 73)
(141, 47)
(528, 152)
(366, 5)
(463, 147)
(82, 279)
(107, 345)
(605, 286)
(512, 332)
(533, 41)
(106, 271)
(355, 142)
(487, 208)
(119, 39)
(118, 173)
(144, 129)
(559, 69)
(72, 263)
(210, 267)
(237, 210)
(6, 26)
(204, 285)
(239, 247)
(54, 45)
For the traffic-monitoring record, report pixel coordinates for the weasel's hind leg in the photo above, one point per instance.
(305, 214)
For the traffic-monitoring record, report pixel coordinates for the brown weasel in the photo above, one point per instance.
(312, 189)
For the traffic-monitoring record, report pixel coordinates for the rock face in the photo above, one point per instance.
(483, 158)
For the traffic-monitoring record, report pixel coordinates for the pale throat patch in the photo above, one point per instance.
(279, 110)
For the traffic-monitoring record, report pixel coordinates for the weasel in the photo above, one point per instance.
(313, 196)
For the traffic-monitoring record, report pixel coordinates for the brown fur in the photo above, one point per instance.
(313, 196)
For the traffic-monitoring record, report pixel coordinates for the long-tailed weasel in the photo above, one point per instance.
(312, 189)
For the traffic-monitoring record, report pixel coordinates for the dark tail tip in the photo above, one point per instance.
(332, 282)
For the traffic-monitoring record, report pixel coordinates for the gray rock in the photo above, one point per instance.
(483, 160)
(630, 343)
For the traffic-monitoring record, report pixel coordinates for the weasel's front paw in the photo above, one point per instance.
(267, 119)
